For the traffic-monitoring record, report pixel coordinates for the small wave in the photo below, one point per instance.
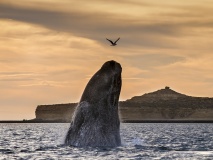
(204, 153)
(6, 151)
(137, 142)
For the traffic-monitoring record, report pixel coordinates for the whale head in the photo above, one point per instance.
(105, 84)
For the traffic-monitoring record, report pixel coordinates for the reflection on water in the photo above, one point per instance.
(140, 141)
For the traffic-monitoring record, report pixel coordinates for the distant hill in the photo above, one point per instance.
(164, 104)
(162, 94)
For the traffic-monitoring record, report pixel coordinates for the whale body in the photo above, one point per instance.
(96, 121)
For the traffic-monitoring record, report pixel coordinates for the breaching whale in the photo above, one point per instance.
(96, 121)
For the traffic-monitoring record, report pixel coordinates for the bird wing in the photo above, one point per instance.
(117, 40)
(110, 41)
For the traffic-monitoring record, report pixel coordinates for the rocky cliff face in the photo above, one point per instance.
(164, 104)
(55, 112)
(167, 104)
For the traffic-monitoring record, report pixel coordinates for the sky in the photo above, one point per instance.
(49, 49)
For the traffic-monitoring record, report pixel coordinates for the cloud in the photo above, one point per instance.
(152, 61)
(18, 76)
(149, 29)
(134, 30)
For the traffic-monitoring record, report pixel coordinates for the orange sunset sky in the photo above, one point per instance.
(49, 49)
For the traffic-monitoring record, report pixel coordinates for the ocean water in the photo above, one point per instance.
(140, 141)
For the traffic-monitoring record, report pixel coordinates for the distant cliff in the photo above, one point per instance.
(55, 112)
(164, 104)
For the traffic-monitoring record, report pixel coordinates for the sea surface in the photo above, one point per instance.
(139, 141)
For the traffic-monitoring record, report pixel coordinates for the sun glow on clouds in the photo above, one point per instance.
(36, 61)
(49, 49)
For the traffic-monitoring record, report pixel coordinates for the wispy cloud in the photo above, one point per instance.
(136, 31)
(18, 76)
(47, 83)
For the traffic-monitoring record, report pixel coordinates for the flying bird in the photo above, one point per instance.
(113, 43)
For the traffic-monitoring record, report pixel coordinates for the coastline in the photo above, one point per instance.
(124, 121)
